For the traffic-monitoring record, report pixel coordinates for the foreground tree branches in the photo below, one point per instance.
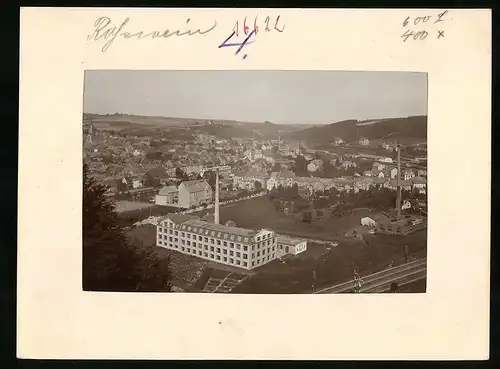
(112, 262)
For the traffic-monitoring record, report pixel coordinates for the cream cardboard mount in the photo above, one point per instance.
(56, 319)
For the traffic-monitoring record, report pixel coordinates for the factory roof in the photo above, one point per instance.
(219, 231)
(180, 218)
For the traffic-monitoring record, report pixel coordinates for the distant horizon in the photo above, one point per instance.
(281, 97)
(256, 122)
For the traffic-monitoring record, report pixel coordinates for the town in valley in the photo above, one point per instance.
(265, 207)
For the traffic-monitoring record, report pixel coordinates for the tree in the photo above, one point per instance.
(394, 287)
(258, 186)
(154, 155)
(300, 168)
(276, 168)
(307, 217)
(180, 174)
(150, 180)
(111, 262)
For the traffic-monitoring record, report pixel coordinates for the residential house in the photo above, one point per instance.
(377, 166)
(246, 180)
(406, 205)
(420, 183)
(315, 165)
(388, 146)
(310, 184)
(368, 222)
(167, 196)
(380, 181)
(192, 169)
(339, 141)
(393, 184)
(346, 164)
(422, 173)
(194, 193)
(136, 182)
(393, 172)
(363, 183)
(284, 179)
(408, 174)
(386, 160)
(364, 141)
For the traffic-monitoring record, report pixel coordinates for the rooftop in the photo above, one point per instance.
(167, 189)
(289, 240)
(180, 218)
(196, 185)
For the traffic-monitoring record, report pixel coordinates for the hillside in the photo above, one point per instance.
(351, 130)
(220, 128)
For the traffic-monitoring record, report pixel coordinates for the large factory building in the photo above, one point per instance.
(232, 246)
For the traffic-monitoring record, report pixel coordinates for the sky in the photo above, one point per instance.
(283, 97)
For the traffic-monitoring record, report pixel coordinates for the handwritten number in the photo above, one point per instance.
(245, 27)
(267, 24)
(276, 25)
(235, 28)
(417, 20)
(406, 35)
(255, 26)
(420, 35)
(240, 44)
(405, 23)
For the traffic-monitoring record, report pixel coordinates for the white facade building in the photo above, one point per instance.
(194, 193)
(289, 245)
(232, 246)
(167, 196)
(368, 222)
(386, 160)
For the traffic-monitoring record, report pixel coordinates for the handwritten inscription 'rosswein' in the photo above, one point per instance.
(107, 32)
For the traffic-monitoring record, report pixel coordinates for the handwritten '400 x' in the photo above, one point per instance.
(246, 29)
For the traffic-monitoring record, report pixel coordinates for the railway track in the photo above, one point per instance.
(381, 281)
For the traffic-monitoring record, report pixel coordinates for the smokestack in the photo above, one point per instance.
(216, 218)
(398, 204)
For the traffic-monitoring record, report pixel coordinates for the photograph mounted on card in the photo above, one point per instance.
(234, 183)
(301, 188)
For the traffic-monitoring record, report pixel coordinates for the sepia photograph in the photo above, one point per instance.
(254, 181)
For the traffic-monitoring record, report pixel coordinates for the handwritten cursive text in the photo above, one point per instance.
(107, 32)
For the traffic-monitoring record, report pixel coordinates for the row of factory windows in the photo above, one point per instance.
(214, 241)
(216, 256)
(207, 247)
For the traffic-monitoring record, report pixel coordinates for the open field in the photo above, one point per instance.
(124, 205)
(333, 265)
(260, 213)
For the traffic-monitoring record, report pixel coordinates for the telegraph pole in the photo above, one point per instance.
(357, 282)
(314, 281)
